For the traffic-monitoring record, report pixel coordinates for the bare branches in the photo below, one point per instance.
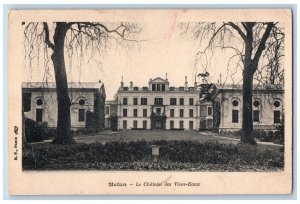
(254, 44)
(262, 45)
(237, 28)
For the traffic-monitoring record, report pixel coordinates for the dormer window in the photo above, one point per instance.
(125, 88)
(135, 88)
(158, 84)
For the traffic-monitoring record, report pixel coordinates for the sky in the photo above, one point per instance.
(162, 50)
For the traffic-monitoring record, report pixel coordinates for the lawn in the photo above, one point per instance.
(150, 135)
(131, 150)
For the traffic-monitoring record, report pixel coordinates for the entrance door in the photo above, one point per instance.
(158, 124)
(191, 125)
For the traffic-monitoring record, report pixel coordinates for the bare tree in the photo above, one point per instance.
(250, 41)
(69, 37)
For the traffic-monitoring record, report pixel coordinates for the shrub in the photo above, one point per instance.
(35, 132)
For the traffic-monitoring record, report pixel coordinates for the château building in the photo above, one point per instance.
(87, 104)
(161, 106)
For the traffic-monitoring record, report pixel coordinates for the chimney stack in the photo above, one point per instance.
(186, 83)
(122, 83)
(131, 85)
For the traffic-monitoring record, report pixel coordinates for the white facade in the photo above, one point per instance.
(158, 106)
(268, 106)
(41, 102)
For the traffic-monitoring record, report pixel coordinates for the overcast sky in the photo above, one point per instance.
(163, 51)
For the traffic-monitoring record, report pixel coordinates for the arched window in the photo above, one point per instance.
(235, 110)
(277, 106)
(256, 110)
(39, 111)
(81, 110)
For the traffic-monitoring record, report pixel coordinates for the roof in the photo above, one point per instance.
(158, 80)
(255, 87)
(74, 85)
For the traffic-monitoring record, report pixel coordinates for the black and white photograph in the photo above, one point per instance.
(151, 91)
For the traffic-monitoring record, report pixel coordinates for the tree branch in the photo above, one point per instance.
(241, 33)
(262, 44)
(47, 40)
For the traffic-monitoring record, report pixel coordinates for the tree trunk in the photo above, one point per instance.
(247, 126)
(64, 118)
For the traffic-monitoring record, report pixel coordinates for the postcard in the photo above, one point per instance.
(150, 102)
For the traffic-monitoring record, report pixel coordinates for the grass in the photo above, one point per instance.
(149, 135)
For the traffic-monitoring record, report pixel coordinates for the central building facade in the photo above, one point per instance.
(158, 106)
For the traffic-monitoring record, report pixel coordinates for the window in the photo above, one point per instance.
(255, 115)
(124, 112)
(173, 101)
(26, 97)
(125, 101)
(191, 101)
(172, 88)
(171, 124)
(144, 112)
(153, 87)
(276, 104)
(277, 117)
(143, 101)
(125, 88)
(171, 113)
(181, 113)
(158, 111)
(39, 102)
(158, 101)
(145, 124)
(39, 115)
(158, 87)
(135, 113)
(235, 103)
(135, 124)
(145, 88)
(256, 103)
(124, 124)
(135, 101)
(135, 88)
(181, 88)
(235, 116)
(81, 102)
(81, 115)
(191, 113)
(106, 110)
(209, 110)
(181, 101)
(181, 124)
(163, 87)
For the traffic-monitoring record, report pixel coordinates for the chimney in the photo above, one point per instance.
(122, 83)
(195, 83)
(186, 83)
(166, 76)
(131, 85)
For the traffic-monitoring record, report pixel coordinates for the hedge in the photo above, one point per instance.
(113, 154)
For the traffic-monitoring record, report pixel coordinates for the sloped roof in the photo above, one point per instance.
(74, 85)
(158, 79)
(255, 87)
